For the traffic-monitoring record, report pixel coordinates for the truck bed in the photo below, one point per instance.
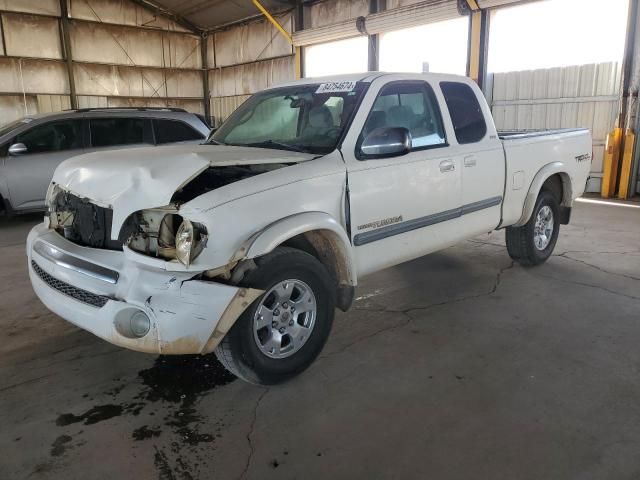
(527, 152)
(518, 134)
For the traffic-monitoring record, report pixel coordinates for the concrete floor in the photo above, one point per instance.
(458, 365)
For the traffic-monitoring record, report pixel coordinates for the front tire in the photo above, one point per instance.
(285, 329)
(533, 243)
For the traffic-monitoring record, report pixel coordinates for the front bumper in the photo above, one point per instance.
(100, 290)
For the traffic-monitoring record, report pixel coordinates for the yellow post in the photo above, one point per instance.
(474, 46)
(298, 62)
(273, 21)
(626, 169)
(611, 163)
(298, 52)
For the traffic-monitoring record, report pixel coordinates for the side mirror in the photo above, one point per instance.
(386, 142)
(17, 149)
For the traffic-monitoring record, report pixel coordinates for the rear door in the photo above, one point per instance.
(402, 207)
(111, 133)
(48, 145)
(479, 151)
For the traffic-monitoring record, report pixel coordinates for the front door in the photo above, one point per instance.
(403, 207)
(29, 174)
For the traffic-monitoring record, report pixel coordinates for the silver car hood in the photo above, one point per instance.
(131, 180)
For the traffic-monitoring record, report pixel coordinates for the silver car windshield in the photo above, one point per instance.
(305, 118)
(7, 128)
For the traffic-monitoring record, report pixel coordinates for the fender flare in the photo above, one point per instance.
(536, 185)
(278, 232)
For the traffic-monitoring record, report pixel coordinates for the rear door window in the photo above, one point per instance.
(108, 132)
(466, 113)
(169, 131)
(52, 137)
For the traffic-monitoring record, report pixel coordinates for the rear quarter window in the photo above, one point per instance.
(465, 111)
(170, 131)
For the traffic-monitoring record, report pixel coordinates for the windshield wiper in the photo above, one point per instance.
(277, 145)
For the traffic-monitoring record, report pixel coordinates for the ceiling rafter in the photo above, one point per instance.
(203, 16)
(165, 12)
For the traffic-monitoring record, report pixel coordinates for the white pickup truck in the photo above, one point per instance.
(246, 244)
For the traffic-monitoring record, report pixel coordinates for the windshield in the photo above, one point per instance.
(305, 118)
(7, 128)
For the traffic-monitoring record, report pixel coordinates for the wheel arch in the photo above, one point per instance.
(320, 235)
(555, 178)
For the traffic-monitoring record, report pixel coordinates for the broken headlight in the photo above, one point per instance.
(164, 234)
(190, 240)
(52, 193)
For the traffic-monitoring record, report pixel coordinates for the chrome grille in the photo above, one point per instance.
(69, 290)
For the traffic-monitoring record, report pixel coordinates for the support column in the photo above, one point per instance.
(374, 56)
(298, 62)
(204, 47)
(629, 106)
(66, 47)
(375, 6)
(4, 40)
(478, 43)
(298, 24)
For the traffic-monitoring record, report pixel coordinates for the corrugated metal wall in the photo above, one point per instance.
(245, 59)
(123, 54)
(576, 96)
(32, 71)
(321, 14)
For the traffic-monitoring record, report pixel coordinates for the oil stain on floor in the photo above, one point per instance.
(168, 395)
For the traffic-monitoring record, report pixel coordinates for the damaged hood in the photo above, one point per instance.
(138, 178)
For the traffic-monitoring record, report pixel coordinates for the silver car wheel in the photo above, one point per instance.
(285, 318)
(543, 228)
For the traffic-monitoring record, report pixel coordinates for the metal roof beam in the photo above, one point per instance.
(158, 10)
(249, 19)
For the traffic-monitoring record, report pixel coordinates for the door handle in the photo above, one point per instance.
(470, 161)
(447, 166)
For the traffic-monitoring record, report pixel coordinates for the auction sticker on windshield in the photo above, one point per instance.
(332, 87)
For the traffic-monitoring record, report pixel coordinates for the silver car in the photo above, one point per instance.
(32, 148)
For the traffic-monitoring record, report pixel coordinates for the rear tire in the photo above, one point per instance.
(285, 329)
(533, 243)
(5, 208)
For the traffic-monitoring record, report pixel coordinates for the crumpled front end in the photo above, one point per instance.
(135, 304)
(123, 254)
